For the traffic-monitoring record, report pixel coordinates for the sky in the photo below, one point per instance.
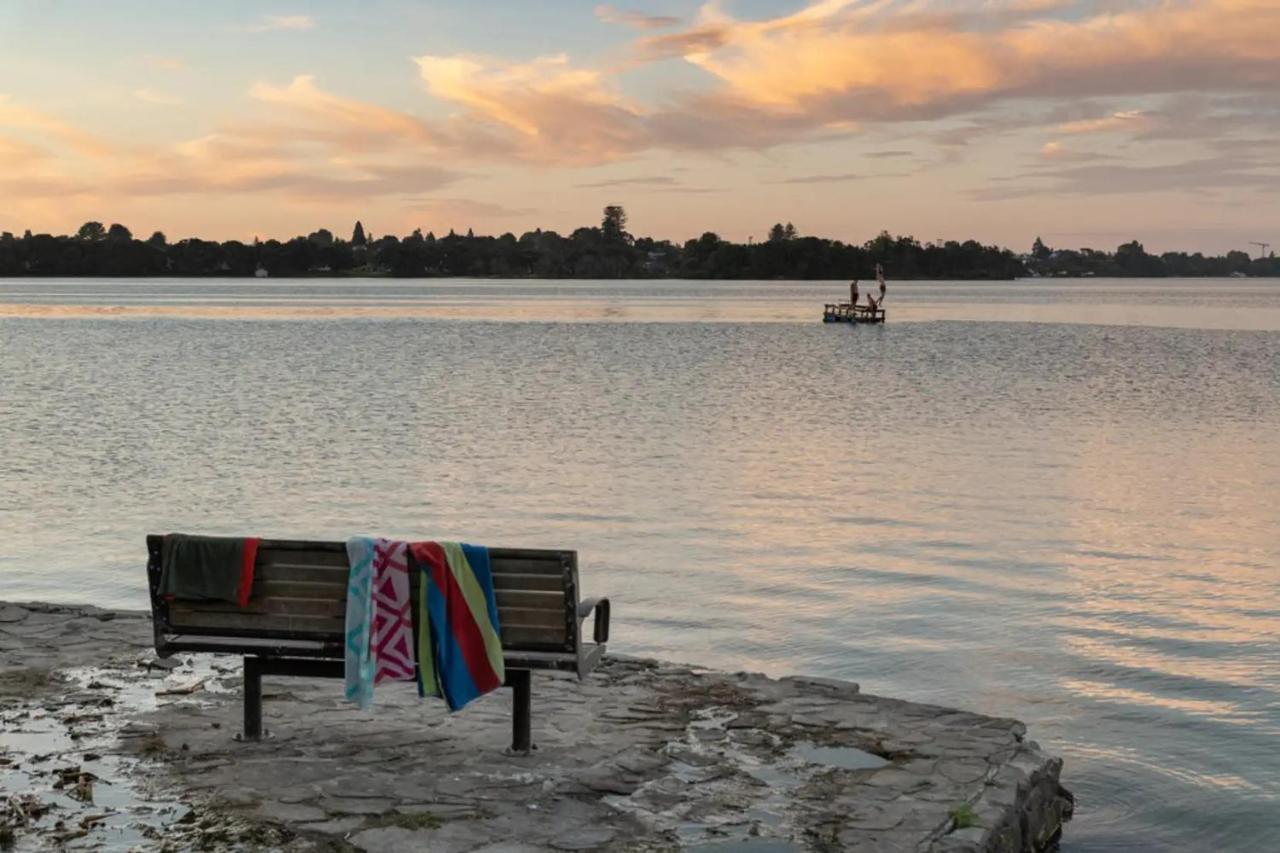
(1085, 123)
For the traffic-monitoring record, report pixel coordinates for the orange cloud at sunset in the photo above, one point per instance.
(558, 113)
(17, 117)
(856, 61)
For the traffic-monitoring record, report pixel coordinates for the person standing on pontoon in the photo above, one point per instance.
(880, 278)
(853, 293)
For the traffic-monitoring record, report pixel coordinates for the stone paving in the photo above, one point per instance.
(640, 756)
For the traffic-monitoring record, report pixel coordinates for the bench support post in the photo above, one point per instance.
(520, 681)
(252, 698)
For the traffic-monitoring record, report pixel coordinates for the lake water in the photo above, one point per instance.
(1050, 500)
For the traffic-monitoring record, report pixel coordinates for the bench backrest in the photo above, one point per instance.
(300, 593)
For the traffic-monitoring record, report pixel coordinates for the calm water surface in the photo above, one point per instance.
(1056, 501)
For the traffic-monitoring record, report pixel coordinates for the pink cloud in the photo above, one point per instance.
(840, 60)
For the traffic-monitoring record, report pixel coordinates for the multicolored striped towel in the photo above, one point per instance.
(459, 644)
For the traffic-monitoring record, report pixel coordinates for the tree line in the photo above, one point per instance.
(1132, 260)
(601, 252)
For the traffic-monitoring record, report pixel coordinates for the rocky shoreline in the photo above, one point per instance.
(105, 747)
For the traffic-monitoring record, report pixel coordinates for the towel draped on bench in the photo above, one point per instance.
(207, 568)
(459, 648)
(458, 653)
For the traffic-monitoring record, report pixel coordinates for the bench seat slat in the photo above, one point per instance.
(529, 599)
(520, 636)
(322, 627)
(297, 589)
(301, 573)
(270, 606)
(531, 618)
(277, 556)
(508, 566)
(534, 583)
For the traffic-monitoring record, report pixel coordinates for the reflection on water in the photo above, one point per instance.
(1072, 524)
(1177, 303)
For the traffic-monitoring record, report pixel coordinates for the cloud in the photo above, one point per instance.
(822, 179)
(458, 210)
(545, 110)
(636, 20)
(15, 154)
(1052, 151)
(1203, 174)
(641, 181)
(1129, 121)
(893, 153)
(827, 70)
(306, 112)
(293, 166)
(1058, 153)
(309, 145)
(840, 60)
(270, 23)
(52, 130)
(151, 96)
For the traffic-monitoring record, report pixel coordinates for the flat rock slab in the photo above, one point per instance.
(640, 756)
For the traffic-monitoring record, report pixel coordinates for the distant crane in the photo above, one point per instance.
(1262, 247)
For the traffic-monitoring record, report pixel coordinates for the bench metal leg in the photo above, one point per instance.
(520, 682)
(252, 698)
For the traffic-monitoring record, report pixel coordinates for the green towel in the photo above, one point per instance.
(207, 567)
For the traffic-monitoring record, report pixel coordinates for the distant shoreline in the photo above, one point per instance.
(607, 252)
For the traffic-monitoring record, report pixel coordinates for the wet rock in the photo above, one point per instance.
(164, 664)
(341, 826)
(290, 812)
(589, 838)
(354, 806)
(392, 839)
(11, 614)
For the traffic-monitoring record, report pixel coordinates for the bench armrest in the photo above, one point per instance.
(601, 607)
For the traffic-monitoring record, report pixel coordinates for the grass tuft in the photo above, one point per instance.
(426, 820)
(963, 816)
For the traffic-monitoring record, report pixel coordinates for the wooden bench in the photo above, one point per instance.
(295, 621)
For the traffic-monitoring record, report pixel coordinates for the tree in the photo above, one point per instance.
(91, 231)
(790, 232)
(322, 237)
(1040, 251)
(1133, 260)
(158, 240)
(357, 235)
(614, 224)
(777, 233)
(118, 232)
